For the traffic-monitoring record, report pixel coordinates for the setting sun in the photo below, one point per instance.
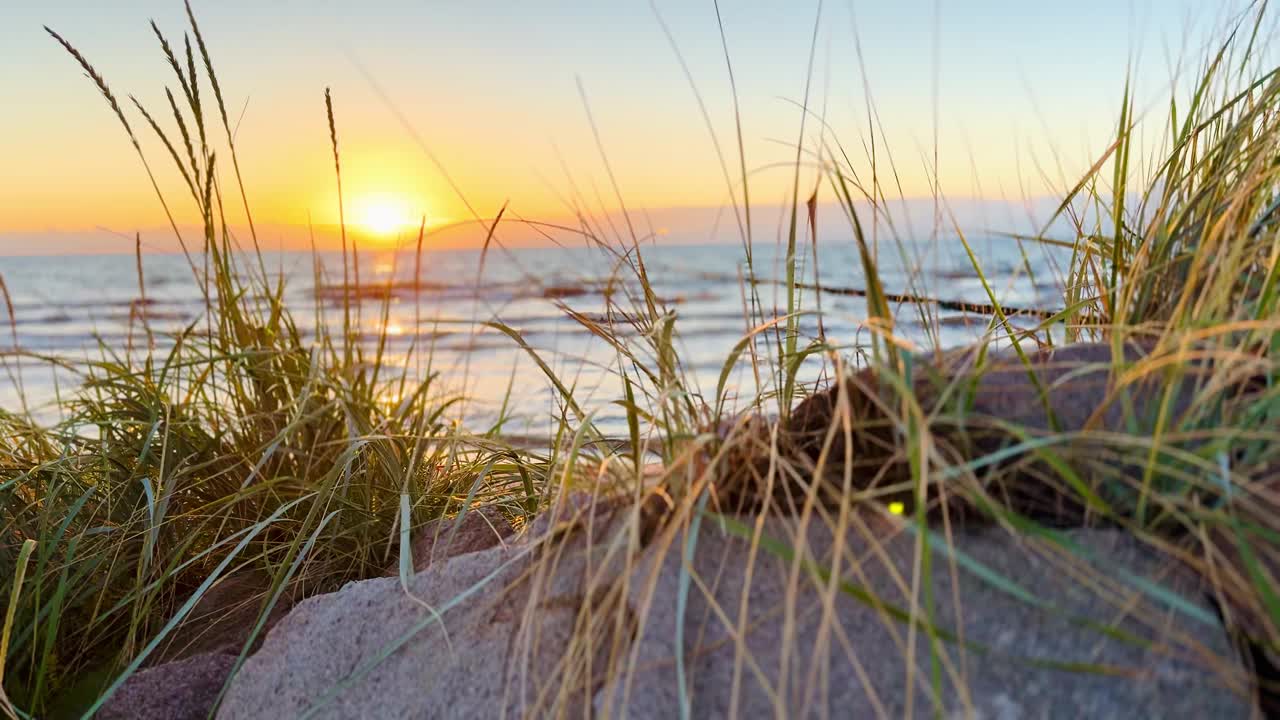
(383, 214)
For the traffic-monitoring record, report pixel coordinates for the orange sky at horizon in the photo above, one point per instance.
(500, 108)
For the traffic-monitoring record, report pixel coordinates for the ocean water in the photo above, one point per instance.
(71, 307)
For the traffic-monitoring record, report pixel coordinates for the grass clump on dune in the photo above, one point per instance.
(247, 447)
(250, 446)
(1176, 442)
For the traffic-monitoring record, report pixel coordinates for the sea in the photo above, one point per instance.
(68, 311)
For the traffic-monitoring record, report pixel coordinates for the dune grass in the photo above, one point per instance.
(250, 447)
(246, 446)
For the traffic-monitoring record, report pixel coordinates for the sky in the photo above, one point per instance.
(450, 110)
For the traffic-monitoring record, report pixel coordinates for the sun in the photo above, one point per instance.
(383, 214)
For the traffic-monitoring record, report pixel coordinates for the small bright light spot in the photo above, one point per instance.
(897, 508)
(394, 329)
